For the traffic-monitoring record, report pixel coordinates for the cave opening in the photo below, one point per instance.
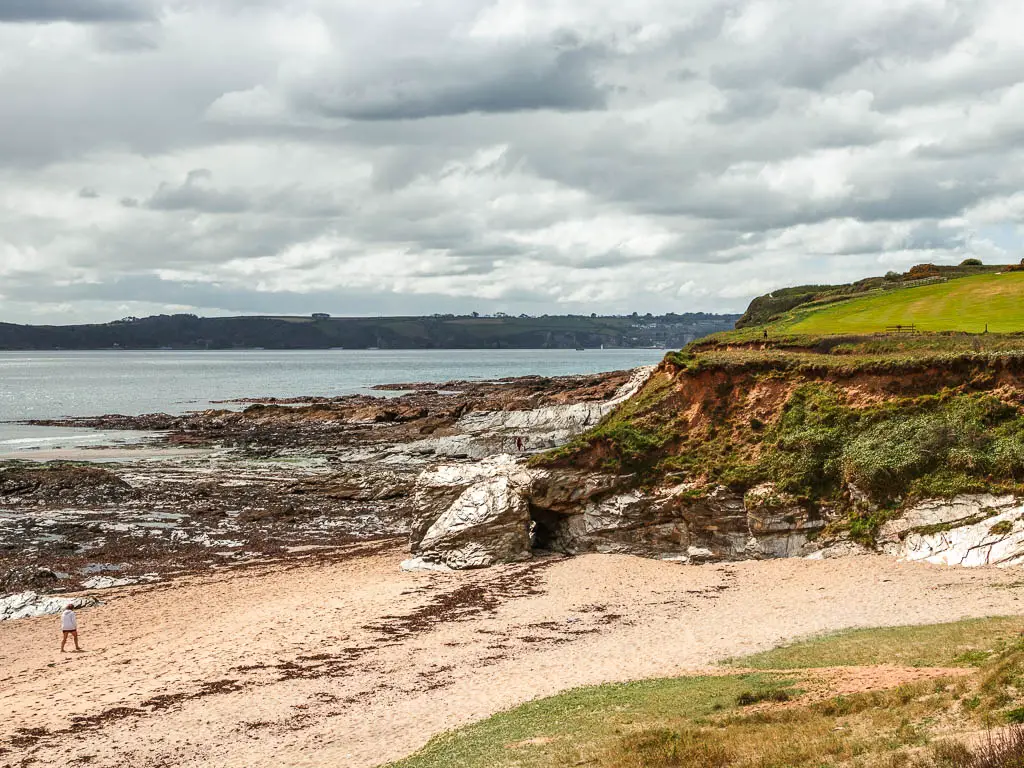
(546, 529)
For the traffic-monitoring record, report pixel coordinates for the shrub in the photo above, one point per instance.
(952, 754)
(1002, 528)
(919, 271)
(971, 263)
(747, 698)
(1003, 749)
(666, 748)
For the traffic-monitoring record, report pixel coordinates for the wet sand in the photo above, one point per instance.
(353, 663)
(145, 453)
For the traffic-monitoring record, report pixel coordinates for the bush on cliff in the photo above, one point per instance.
(929, 446)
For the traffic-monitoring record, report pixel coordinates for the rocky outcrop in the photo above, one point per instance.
(61, 484)
(678, 523)
(479, 434)
(969, 530)
(471, 515)
(24, 605)
(370, 483)
(28, 578)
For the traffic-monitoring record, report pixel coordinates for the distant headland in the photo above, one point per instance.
(320, 330)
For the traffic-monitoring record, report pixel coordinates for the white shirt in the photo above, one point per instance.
(68, 621)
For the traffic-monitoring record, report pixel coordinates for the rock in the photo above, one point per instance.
(28, 577)
(628, 522)
(839, 549)
(488, 523)
(370, 483)
(565, 490)
(107, 582)
(575, 513)
(969, 530)
(26, 605)
(61, 484)
(439, 487)
(478, 514)
(779, 526)
(481, 434)
(419, 564)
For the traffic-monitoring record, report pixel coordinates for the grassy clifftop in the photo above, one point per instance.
(855, 423)
(965, 298)
(969, 304)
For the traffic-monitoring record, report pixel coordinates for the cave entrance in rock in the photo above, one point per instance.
(547, 527)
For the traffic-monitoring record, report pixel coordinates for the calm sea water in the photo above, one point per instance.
(44, 385)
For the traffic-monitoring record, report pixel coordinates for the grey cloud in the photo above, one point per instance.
(86, 11)
(746, 105)
(128, 38)
(195, 195)
(198, 194)
(88, 193)
(811, 55)
(129, 202)
(416, 88)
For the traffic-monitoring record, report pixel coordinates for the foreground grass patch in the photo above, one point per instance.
(754, 721)
(963, 643)
(554, 731)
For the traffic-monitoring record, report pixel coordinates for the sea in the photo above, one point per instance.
(50, 385)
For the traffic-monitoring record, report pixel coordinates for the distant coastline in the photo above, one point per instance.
(321, 331)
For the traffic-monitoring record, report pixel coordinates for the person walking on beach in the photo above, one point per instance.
(69, 626)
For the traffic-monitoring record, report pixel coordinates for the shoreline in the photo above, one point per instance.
(218, 488)
(104, 453)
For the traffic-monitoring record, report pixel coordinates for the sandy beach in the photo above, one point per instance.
(352, 662)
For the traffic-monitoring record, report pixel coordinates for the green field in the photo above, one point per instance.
(964, 304)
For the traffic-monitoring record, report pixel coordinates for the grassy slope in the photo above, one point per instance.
(697, 721)
(936, 645)
(965, 304)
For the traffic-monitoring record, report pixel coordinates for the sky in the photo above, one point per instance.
(539, 156)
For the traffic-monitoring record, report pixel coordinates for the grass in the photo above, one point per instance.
(709, 721)
(965, 304)
(964, 643)
(553, 731)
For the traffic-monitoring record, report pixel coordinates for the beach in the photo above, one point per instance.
(343, 659)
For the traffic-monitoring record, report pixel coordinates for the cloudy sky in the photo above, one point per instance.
(401, 156)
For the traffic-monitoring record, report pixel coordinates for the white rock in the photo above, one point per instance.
(959, 531)
(25, 605)
(488, 523)
(107, 582)
(419, 564)
(487, 433)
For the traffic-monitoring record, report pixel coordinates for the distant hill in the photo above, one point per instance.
(931, 298)
(324, 332)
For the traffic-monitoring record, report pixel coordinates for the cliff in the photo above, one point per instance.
(744, 446)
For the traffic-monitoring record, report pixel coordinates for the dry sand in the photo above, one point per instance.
(353, 663)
